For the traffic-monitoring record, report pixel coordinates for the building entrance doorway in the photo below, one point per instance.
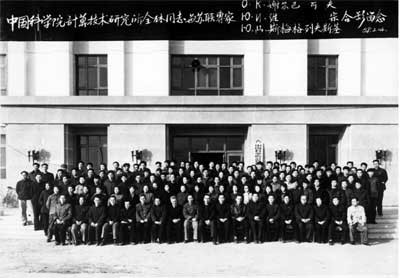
(205, 143)
(206, 158)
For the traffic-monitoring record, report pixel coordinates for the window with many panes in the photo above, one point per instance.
(206, 75)
(2, 156)
(91, 75)
(322, 75)
(3, 74)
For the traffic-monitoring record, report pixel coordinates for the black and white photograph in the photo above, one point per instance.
(199, 138)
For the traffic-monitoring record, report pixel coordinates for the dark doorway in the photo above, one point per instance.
(87, 143)
(323, 143)
(206, 158)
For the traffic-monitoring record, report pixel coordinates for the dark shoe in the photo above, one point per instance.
(353, 243)
(215, 243)
(366, 243)
(48, 240)
(373, 222)
(186, 241)
(90, 243)
(102, 243)
(331, 242)
(63, 243)
(57, 243)
(98, 243)
(115, 242)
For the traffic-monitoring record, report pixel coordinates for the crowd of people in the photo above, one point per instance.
(194, 202)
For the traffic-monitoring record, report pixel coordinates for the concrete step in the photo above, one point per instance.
(386, 221)
(383, 236)
(382, 231)
(388, 216)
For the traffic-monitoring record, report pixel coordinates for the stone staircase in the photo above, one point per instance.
(386, 227)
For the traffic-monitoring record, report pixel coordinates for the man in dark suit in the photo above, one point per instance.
(128, 220)
(143, 220)
(47, 176)
(206, 216)
(113, 219)
(24, 189)
(337, 221)
(239, 221)
(158, 218)
(80, 221)
(222, 216)
(272, 216)
(321, 213)
(37, 188)
(304, 214)
(174, 221)
(382, 177)
(255, 216)
(97, 216)
(287, 218)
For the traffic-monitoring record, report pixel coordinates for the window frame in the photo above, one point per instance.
(194, 90)
(3, 144)
(326, 67)
(98, 66)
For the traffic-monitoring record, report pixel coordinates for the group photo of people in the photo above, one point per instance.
(193, 202)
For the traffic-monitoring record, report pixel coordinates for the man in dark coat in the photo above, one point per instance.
(143, 220)
(206, 217)
(304, 214)
(174, 221)
(239, 221)
(158, 217)
(382, 177)
(37, 188)
(97, 216)
(321, 213)
(47, 176)
(35, 171)
(287, 218)
(255, 216)
(272, 217)
(373, 192)
(80, 219)
(337, 221)
(24, 189)
(222, 216)
(128, 223)
(113, 217)
(44, 211)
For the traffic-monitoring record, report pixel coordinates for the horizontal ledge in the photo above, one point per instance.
(124, 101)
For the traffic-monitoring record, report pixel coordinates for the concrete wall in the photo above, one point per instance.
(49, 139)
(277, 137)
(122, 139)
(359, 144)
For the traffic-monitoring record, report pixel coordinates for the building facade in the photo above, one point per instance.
(331, 100)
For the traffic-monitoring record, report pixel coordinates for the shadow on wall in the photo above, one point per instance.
(44, 156)
(147, 155)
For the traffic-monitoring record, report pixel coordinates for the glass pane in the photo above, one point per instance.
(3, 139)
(94, 140)
(202, 60)
(3, 156)
(83, 154)
(103, 92)
(232, 92)
(83, 140)
(237, 60)
(332, 78)
(237, 77)
(216, 143)
(82, 61)
(3, 92)
(181, 144)
(332, 61)
(212, 60)
(234, 143)
(94, 155)
(225, 61)
(212, 77)
(176, 77)
(92, 61)
(82, 78)
(332, 92)
(188, 78)
(201, 78)
(92, 78)
(320, 78)
(224, 77)
(92, 92)
(233, 158)
(103, 140)
(103, 77)
(316, 92)
(82, 93)
(103, 60)
(199, 144)
(176, 61)
(187, 61)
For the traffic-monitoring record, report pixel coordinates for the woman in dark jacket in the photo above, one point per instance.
(44, 211)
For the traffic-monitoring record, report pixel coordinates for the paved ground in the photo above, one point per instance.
(24, 253)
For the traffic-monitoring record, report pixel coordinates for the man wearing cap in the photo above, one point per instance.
(24, 189)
